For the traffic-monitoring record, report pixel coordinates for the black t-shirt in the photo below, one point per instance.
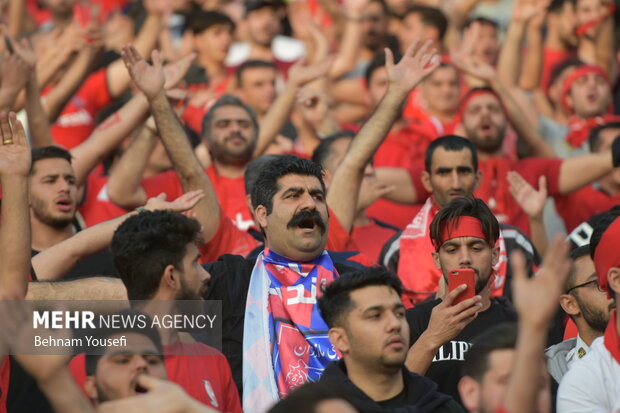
(230, 281)
(446, 367)
(399, 400)
(97, 264)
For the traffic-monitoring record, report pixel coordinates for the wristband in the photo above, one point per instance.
(140, 209)
(615, 152)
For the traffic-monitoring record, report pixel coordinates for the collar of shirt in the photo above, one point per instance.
(577, 352)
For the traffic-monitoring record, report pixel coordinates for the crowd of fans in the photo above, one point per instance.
(321, 168)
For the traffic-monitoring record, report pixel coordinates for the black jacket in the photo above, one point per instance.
(422, 394)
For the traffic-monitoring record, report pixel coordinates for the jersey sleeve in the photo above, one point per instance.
(167, 182)
(228, 239)
(531, 169)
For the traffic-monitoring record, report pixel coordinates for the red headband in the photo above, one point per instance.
(607, 254)
(582, 30)
(578, 73)
(464, 226)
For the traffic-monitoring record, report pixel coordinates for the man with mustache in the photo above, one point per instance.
(464, 235)
(367, 325)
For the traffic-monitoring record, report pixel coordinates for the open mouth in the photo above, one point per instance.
(64, 204)
(307, 224)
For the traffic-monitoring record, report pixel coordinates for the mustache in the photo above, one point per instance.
(306, 215)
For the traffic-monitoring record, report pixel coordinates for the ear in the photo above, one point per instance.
(426, 181)
(478, 179)
(339, 339)
(248, 202)
(436, 259)
(90, 388)
(261, 216)
(169, 279)
(569, 305)
(327, 178)
(494, 255)
(613, 278)
(469, 390)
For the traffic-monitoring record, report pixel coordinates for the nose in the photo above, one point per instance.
(393, 323)
(64, 185)
(204, 275)
(464, 256)
(455, 180)
(139, 364)
(308, 202)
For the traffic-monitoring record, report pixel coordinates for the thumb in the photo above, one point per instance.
(389, 58)
(162, 196)
(542, 184)
(148, 382)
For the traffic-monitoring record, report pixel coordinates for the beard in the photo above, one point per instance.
(40, 211)
(596, 318)
(487, 144)
(222, 154)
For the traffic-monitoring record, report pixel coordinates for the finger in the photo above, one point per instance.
(148, 382)
(465, 304)
(5, 128)
(423, 51)
(453, 294)
(411, 50)
(156, 59)
(19, 134)
(467, 314)
(389, 59)
(542, 184)
(162, 196)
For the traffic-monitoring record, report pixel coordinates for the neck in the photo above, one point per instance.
(228, 171)
(486, 155)
(157, 307)
(261, 52)
(378, 385)
(587, 50)
(486, 298)
(587, 333)
(44, 236)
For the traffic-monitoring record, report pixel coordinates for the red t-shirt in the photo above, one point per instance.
(205, 376)
(581, 205)
(405, 147)
(494, 186)
(96, 206)
(77, 120)
(550, 59)
(5, 371)
(369, 239)
(230, 193)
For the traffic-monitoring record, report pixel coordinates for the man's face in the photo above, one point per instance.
(606, 138)
(441, 90)
(590, 96)
(214, 42)
(492, 389)
(53, 192)
(452, 175)
(297, 225)
(487, 45)
(374, 26)
(232, 136)
(586, 11)
(485, 122)
(263, 25)
(378, 85)
(258, 87)
(193, 278)
(594, 305)
(467, 252)
(118, 369)
(413, 28)
(376, 332)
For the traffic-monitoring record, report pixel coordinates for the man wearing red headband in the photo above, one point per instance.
(464, 234)
(593, 383)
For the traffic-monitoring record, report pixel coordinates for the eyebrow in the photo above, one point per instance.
(298, 190)
(397, 306)
(473, 242)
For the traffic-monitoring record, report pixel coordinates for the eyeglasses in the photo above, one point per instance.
(595, 282)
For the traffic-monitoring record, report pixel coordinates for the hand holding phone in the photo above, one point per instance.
(462, 276)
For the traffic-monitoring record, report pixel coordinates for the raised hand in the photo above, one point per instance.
(302, 73)
(536, 299)
(15, 73)
(183, 203)
(150, 79)
(531, 201)
(174, 71)
(25, 51)
(371, 190)
(417, 63)
(15, 158)
(463, 58)
(525, 10)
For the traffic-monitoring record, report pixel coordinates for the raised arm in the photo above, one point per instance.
(15, 162)
(417, 63)
(579, 171)
(532, 202)
(15, 73)
(54, 262)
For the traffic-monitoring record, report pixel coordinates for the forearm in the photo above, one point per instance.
(525, 380)
(64, 394)
(509, 61)
(124, 187)
(605, 47)
(420, 355)
(16, 18)
(404, 191)
(15, 235)
(349, 48)
(533, 61)
(107, 136)
(538, 234)
(579, 171)
(91, 288)
(38, 123)
(275, 118)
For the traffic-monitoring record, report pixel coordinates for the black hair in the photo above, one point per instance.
(465, 207)
(200, 20)
(483, 21)
(376, 63)
(252, 64)
(226, 100)
(323, 150)
(561, 66)
(556, 6)
(595, 134)
(430, 16)
(499, 337)
(335, 303)
(452, 143)
(306, 398)
(253, 170)
(49, 152)
(146, 243)
(266, 185)
(576, 253)
(147, 330)
(601, 225)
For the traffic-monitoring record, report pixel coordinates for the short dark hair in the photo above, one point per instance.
(376, 63)
(148, 331)
(252, 64)
(483, 21)
(306, 398)
(594, 137)
(465, 207)
(49, 152)
(499, 337)
(226, 100)
(201, 20)
(253, 170)
(556, 5)
(451, 143)
(335, 303)
(430, 16)
(266, 185)
(146, 243)
(561, 66)
(575, 254)
(601, 225)
(323, 150)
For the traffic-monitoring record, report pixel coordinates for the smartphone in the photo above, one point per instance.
(461, 276)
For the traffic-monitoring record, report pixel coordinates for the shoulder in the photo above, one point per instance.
(515, 238)
(390, 253)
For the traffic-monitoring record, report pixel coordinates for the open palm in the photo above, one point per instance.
(531, 201)
(417, 63)
(148, 78)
